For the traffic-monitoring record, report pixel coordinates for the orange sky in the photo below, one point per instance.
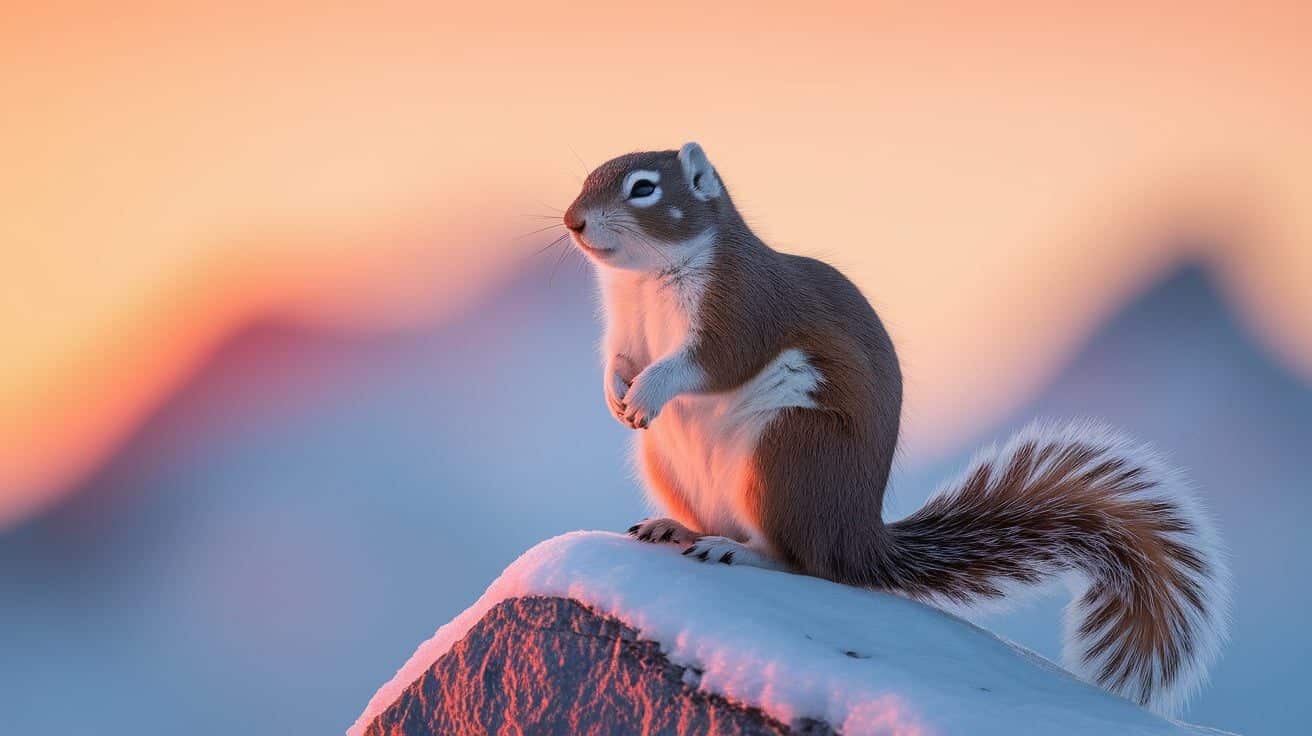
(996, 182)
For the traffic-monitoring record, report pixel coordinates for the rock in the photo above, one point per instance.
(546, 665)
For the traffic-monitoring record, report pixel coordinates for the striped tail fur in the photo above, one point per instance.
(1150, 610)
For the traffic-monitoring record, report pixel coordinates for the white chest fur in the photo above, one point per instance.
(647, 316)
(705, 441)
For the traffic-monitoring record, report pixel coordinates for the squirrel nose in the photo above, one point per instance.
(574, 220)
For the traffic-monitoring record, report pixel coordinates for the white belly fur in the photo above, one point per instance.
(707, 441)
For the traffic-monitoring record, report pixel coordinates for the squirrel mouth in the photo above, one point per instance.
(590, 250)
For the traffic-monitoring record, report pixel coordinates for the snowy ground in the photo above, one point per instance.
(795, 646)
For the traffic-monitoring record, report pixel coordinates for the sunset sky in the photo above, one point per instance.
(996, 183)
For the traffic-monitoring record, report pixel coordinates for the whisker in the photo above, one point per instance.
(626, 228)
(553, 209)
(547, 247)
(632, 230)
(563, 255)
(586, 168)
(539, 230)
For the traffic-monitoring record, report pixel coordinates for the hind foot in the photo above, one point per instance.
(730, 552)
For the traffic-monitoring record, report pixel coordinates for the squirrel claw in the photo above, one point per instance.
(662, 531)
(726, 552)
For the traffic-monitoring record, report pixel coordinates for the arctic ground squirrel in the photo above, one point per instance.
(768, 395)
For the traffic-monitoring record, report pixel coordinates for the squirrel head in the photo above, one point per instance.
(648, 211)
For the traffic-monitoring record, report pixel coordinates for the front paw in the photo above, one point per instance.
(620, 371)
(616, 388)
(643, 401)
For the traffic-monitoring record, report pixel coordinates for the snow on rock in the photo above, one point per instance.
(806, 653)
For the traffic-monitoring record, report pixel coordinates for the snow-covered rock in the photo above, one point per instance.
(595, 632)
(539, 665)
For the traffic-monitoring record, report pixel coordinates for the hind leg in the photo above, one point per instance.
(817, 493)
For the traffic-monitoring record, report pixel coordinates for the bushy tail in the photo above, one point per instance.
(1151, 611)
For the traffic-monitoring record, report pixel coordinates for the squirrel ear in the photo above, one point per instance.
(697, 169)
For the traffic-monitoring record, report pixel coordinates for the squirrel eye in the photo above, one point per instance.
(641, 188)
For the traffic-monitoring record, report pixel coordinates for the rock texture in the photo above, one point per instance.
(546, 665)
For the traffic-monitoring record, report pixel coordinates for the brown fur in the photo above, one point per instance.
(1086, 511)
(760, 303)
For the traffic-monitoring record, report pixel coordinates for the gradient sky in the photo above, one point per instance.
(996, 182)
